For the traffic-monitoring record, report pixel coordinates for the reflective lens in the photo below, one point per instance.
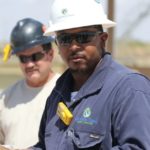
(34, 57)
(80, 37)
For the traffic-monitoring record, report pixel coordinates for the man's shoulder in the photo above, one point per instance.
(138, 82)
(15, 84)
(127, 78)
(11, 89)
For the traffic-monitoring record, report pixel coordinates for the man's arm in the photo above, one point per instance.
(131, 118)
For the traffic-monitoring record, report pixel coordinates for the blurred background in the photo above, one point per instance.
(129, 41)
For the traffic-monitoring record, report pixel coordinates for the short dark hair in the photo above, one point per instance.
(47, 47)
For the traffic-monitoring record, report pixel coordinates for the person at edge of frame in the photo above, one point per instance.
(22, 104)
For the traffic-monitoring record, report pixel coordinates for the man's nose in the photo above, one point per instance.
(29, 62)
(74, 45)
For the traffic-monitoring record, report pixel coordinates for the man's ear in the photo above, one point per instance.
(51, 54)
(104, 36)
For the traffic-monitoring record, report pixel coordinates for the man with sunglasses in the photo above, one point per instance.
(22, 104)
(97, 104)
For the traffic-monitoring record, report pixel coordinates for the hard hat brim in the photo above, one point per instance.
(76, 24)
(40, 41)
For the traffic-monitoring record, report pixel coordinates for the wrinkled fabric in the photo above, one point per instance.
(111, 111)
(21, 109)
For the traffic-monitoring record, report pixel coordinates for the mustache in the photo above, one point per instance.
(77, 54)
(30, 69)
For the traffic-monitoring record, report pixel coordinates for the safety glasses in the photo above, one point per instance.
(66, 39)
(34, 57)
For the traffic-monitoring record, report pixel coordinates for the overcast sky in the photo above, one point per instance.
(126, 12)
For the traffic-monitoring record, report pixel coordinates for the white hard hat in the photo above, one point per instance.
(67, 14)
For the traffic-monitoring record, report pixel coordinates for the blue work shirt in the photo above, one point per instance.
(111, 112)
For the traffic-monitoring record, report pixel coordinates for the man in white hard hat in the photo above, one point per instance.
(97, 104)
(101, 105)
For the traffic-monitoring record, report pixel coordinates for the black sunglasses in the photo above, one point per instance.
(34, 57)
(80, 37)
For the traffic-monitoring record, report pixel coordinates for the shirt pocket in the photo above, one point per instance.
(85, 139)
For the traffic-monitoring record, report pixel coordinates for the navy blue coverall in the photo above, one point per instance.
(111, 112)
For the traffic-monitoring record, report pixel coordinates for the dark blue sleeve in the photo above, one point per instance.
(131, 115)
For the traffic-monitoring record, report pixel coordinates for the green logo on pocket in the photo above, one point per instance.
(87, 112)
